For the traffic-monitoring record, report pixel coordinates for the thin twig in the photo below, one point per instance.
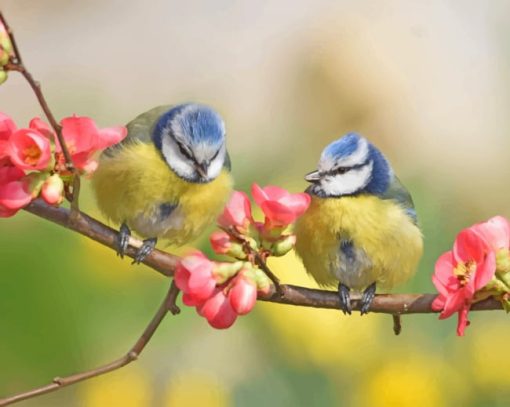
(264, 267)
(18, 66)
(58, 383)
(255, 255)
(397, 324)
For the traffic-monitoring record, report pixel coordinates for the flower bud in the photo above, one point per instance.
(222, 243)
(194, 277)
(262, 280)
(503, 261)
(222, 271)
(34, 182)
(243, 294)
(4, 56)
(53, 190)
(218, 311)
(283, 245)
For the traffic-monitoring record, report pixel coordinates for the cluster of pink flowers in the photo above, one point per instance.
(476, 268)
(281, 209)
(222, 291)
(32, 163)
(219, 291)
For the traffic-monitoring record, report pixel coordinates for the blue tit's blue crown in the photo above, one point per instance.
(191, 123)
(343, 147)
(349, 166)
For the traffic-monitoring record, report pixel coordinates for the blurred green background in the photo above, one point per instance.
(428, 82)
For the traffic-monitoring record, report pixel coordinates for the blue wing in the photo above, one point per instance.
(399, 193)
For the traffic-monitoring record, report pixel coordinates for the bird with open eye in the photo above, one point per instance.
(169, 178)
(360, 231)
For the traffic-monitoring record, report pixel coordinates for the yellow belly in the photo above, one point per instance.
(131, 186)
(380, 228)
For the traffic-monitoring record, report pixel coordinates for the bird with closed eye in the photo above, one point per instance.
(360, 231)
(169, 178)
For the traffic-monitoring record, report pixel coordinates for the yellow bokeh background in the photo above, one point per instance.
(427, 82)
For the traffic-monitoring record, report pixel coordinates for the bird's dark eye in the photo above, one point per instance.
(184, 151)
(215, 155)
(341, 170)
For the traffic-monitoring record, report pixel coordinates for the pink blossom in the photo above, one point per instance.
(218, 311)
(460, 273)
(496, 232)
(83, 139)
(237, 212)
(243, 294)
(14, 193)
(194, 276)
(220, 242)
(280, 206)
(29, 149)
(52, 190)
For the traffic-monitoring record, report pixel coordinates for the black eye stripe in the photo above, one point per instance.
(215, 155)
(343, 170)
(183, 150)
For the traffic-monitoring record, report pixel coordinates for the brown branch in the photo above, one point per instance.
(162, 262)
(165, 263)
(17, 65)
(58, 383)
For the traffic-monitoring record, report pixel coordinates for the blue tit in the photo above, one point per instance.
(360, 231)
(169, 178)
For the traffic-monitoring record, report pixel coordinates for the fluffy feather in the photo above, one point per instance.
(133, 183)
(386, 244)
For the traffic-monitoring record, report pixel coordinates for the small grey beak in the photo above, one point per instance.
(313, 176)
(201, 169)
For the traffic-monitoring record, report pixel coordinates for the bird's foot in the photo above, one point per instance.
(345, 298)
(367, 298)
(123, 240)
(147, 247)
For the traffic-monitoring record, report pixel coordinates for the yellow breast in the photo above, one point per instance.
(381, 228)
(135, 181)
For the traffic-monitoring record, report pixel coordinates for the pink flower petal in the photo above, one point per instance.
(243, 295)
(7, 127)
(218, 311)
(298, 203)
(237, 212)
(278, 214)
(80, 134)
(29, 149)
(485, 271)
(42, 127)
(469, 246)
(14, 195)
(109, 136)
(438, 303)
(453, 303)
(9, 174)
(443, 278)
(496, 232)
(462, 321)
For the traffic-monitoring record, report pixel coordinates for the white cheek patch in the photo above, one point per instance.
(181, 165)
(349, 182)
(216, 164)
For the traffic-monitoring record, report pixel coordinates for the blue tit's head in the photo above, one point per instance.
(349, 166)
(191, 139)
